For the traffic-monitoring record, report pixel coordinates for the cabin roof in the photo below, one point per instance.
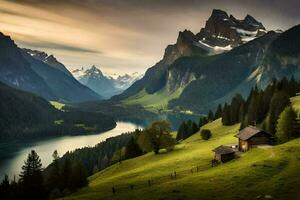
(223, 150)
(249, 132)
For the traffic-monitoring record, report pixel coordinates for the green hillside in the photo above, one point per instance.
(153, 102)
(259, 172)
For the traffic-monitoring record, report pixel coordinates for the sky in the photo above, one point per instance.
(124, 36)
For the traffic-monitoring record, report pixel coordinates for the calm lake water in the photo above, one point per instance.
(12, 155)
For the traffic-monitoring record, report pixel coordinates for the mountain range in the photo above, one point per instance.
(106, 86)
(226, 57)
(38, 73)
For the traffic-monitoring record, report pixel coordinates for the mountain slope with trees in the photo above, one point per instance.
(255, 174)
(26, 116)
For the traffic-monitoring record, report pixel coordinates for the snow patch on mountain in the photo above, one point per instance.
(105, 85)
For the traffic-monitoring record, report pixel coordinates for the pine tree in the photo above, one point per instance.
(5, 188)
(78, 176)
(218, 113)
(210, 116)
(202, 121)
(182, 130)
(54, 178)
(31, 177)
(287, 125)
(132, 149)
(279, 101)
(66, 173)
(226, 115)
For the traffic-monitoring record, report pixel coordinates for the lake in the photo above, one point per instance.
(12, 155)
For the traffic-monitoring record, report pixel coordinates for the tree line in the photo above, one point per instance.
(25, 115)
(263, 108)
(35, 184)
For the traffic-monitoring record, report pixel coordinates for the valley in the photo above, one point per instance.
(187, 101)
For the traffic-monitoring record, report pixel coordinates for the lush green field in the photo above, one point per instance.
(153, 102)
(57, 105)
(257, 173)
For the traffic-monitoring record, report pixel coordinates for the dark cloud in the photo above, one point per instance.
(50, 45)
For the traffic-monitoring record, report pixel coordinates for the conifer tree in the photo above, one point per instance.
(78, 176)
(132, 149)
(54, 178)
(218, 113)
(31, 178)
(287, 127)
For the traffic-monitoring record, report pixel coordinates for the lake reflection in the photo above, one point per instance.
(12, 156)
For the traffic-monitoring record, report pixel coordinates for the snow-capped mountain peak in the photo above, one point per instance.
(48, 59)
(105, 85)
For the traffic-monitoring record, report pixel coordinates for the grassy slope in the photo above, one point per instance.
(57, 105)
(296, 102)
(153, 102)
(258, 172)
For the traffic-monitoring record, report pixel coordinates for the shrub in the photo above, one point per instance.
(205, 134)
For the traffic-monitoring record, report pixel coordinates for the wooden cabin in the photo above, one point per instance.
(252, 136)
(224, 154)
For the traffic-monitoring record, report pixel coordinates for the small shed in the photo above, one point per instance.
(224, 154)
(252, 136)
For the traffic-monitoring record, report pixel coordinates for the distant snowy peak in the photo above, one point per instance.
(48, 59)
(77, 73)
(223, 32)
(125, 81)
(105, 85)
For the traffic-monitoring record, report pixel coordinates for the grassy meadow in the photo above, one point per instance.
(257, 174)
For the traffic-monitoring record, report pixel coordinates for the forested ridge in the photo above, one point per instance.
(26, 116)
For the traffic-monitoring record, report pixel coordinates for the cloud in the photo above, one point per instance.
(123, 35)
(50, 45)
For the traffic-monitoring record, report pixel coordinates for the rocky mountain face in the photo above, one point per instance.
(218, 29)
(106, 86)
(24, 71)
(226, 57)
(219, 78)
(48, 59)
(16, 71)
(222, 30)
(155, 77)
(282, 58)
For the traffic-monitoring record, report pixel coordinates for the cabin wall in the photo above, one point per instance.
(227, 157)
(243, 145)
(259, 139)
(224, 157)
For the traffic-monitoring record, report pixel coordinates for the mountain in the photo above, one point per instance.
(225, 32)
(48, 59)
(25, 116)
(106, 86)
(16, 71)
(40, 74)
(191, 78)
(122, 82)
(282, 58)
